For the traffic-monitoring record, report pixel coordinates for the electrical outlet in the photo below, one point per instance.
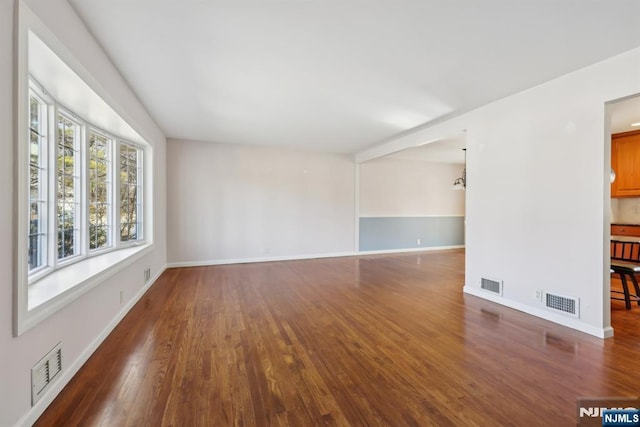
(147, 274)
(418, 242)
(121, 297)
(538, 295)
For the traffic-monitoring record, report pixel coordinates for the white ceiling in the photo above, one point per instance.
(625, 113)
(448, 150)
(342, 75)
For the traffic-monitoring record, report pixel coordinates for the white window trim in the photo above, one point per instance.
(44, 178)
(31, 304)
(78, 189)
(140, 196)
(83, 253)
(111, 178)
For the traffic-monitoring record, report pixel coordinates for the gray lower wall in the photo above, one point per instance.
(382, 233)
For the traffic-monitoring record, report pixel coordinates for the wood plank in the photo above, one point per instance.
(371, 340)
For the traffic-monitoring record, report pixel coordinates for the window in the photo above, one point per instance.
(99, 191)
(130, 208)
(68, 183)
(37, 183)
(72, 183)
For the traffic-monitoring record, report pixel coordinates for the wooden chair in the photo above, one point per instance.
(625, 261)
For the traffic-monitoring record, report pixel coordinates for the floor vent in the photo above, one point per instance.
(491, 285)
(562, 303)
(43, 373)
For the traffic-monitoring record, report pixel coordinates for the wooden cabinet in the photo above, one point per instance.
(625, 161)
(625, 230)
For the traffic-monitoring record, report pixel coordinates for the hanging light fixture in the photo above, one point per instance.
(461, 183)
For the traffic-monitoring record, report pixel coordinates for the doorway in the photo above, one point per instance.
(407, 200)
(624, 118)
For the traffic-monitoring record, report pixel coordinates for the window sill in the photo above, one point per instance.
(59, 288)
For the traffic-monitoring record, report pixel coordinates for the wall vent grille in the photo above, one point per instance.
(43, 373)
(564, 304)
(491, 285)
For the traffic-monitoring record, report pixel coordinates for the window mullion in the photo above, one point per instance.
(116, 194)
(112, 193)
(53, 182)
(46, 181)
(84, 191)
(140, 223)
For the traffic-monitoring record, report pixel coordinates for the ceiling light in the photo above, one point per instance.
(635, 124)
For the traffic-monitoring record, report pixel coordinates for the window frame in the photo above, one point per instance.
(44, 113)
(79, 177)
(53, 110)
(110, 181)
(140, 235)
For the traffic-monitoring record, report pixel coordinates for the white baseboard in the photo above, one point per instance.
(570, 322)
(414, 216)
(205, 263)
(420, 249)
(69, 371)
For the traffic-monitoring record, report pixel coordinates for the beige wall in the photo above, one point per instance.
(397, 187)
(625, 210)
(233, 203)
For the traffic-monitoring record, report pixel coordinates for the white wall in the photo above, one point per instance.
(84, 321)
(538, 195)
(398, 187)
(230, 203)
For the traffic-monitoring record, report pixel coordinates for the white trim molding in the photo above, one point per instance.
(204, 263)
(420, 249)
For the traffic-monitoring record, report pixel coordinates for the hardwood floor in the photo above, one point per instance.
(363, 341)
